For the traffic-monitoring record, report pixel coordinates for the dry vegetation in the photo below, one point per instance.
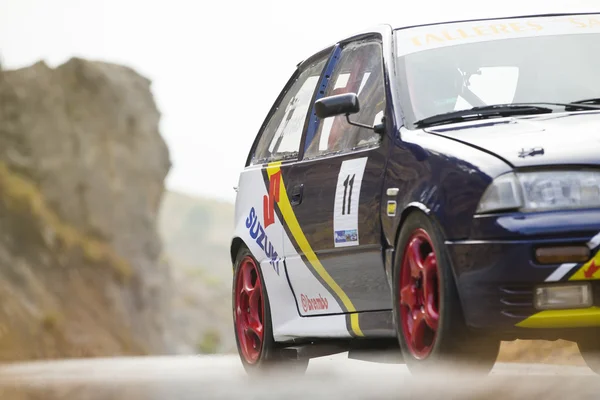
(196, 234)
(36, 321)
(19, 194)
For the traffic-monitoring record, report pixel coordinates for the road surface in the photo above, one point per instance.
(334, 377)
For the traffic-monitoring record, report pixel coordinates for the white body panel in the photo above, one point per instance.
(307, 289)
(267, 246)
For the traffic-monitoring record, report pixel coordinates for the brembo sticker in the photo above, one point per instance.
(314, 304)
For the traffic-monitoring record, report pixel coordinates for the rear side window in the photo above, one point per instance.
(282, 135)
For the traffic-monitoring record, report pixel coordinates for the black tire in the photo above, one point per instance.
(264, 357)
(590, 352)
(452, 347)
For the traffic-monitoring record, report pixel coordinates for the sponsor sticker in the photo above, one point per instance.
(441, 35)
(271, 198)
(391, 208)
(346, 236)
(313, 304)
(257, 233)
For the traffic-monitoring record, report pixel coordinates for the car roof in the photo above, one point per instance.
(421, 20)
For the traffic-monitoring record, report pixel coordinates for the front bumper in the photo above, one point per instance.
(496, 273)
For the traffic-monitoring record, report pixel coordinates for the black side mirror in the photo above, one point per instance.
(344, 104)
(341, 104)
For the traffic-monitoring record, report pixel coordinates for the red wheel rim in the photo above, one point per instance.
(249, 310)
(419, 295)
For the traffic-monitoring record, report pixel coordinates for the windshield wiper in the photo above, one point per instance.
(587, 103)
(505, 110)
(483, 112)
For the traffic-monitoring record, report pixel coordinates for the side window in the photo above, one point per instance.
(360, 70)
(280, 140)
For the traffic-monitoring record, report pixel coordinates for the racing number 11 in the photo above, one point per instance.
(348, 183)
(346, 207)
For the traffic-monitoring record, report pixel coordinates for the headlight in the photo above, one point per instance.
(542, 191)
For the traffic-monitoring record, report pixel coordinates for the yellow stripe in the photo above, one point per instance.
(569, 318)
(563, 319)
(296, 231)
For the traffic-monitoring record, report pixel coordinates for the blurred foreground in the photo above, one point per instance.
(336, 377)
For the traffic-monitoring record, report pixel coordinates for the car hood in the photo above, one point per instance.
(565, 138)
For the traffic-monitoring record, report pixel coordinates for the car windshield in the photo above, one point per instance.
(458, 66)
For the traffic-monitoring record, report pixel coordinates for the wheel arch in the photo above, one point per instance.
(408, 210)
(236, 245)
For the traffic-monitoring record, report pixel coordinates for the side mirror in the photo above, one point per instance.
(341, 104)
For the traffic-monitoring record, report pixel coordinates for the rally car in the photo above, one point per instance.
(432, 189)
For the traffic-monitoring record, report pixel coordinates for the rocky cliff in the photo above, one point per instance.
(82, 166)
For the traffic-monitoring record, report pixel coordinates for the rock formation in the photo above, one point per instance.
(82, 166)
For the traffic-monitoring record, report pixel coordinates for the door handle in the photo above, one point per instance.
(296, 194)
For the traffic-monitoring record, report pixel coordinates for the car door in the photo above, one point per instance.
(277, 145)
(335, 196)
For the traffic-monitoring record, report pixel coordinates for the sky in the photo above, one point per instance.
(216, 66)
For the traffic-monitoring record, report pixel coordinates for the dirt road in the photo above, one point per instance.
(336, 377)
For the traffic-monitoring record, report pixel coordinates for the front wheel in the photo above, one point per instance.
(427, 310)
(257, 349)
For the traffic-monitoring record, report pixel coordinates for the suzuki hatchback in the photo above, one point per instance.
(432, 189)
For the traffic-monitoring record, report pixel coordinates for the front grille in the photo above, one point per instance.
(516, 301)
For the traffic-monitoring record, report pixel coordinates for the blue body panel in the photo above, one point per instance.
(444, 171)
(541, 225)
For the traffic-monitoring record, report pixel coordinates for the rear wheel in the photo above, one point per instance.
(257, 349)
(429, 320)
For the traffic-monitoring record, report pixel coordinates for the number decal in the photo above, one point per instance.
(348, 182)
(347, 197)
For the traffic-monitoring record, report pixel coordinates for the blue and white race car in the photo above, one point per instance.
(433, 189)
